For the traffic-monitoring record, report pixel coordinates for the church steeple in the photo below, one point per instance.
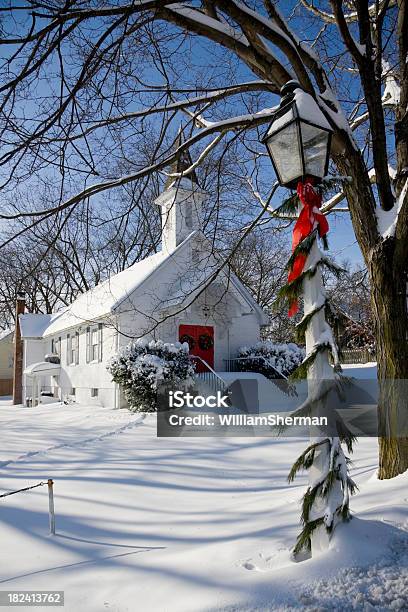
(180, 201)
(182, 162)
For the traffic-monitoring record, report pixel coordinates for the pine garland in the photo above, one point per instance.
(301, 371)
(304, 248)
(332, 266)
(322, 489)
(292, 291)
(307, 409)
(303, 324)
(304, 461)
(289, 206)
(334, 322)
(332, 182)
(304, 539)
(335, 471)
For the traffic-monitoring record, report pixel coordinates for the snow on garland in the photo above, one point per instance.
(326, 500)
(142, 366)
(268, 358)
(336, 507)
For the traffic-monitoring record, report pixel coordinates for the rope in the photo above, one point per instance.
(26, 489)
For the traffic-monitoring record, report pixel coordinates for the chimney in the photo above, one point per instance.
(18, 352)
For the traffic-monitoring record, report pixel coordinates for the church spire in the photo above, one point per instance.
(181, 163)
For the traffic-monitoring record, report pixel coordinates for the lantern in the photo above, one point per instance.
(299, 138)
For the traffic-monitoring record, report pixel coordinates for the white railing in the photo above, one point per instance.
(210, 376)
(232, 365)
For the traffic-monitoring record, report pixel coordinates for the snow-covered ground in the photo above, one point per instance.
(184, 524)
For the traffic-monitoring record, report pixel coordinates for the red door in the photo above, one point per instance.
(200, 339)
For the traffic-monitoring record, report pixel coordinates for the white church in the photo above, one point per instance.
(184, 292)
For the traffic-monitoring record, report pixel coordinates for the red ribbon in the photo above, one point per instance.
(309, 219)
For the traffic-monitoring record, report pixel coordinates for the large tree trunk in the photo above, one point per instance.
(389, 306)
(388, 266)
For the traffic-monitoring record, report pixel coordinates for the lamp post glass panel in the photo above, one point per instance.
(299, 137)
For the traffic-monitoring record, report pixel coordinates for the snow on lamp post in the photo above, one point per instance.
(299, 138)
(298, 142)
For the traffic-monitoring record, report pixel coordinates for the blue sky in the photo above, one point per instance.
(342, 242)
(341, 238)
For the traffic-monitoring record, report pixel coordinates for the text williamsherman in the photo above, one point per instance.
(242, 420)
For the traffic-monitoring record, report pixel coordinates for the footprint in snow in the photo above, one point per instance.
(261, 563)
(249, 566)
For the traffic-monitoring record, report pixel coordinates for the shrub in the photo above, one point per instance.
(270, 359)
(142, 366)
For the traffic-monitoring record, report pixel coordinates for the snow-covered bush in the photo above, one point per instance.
(142, 366)
(268, 358)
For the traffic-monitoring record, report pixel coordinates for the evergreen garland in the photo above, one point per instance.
(331, 265)
(301, 372)
(303, 248)
(308, 409)
(292, 291)
(335, 473)
(304, 323)
(289, 206)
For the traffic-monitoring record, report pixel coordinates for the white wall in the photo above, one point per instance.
(245, 330)
(220, 306)
(83, 376)
(167, 291)
(86, 376)
(33, 352)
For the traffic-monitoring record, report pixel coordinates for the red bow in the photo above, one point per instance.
(309, 219)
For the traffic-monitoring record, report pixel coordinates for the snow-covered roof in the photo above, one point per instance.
(105, 297)
(42, 366)
(98, 302)
(196, 283)
(6, 333)
(34, 325)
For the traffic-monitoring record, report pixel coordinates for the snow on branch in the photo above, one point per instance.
(266, 204)
(236, 39)
(329, 205)
(387, 219)
(392, 90)
(208, 98)
(350, 17)
(260, 27)
(203, 19)
(390, 97)
(199, 159)
(250, 120)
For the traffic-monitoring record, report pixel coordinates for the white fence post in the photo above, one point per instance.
(51, 506)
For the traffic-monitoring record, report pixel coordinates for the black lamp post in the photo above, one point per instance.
(299, 138)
